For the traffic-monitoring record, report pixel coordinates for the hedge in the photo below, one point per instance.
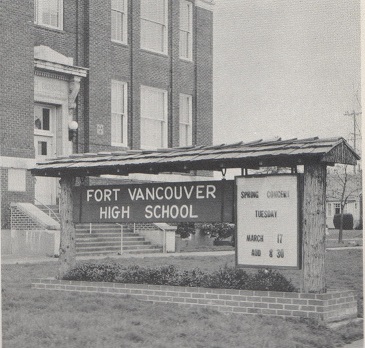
(224, 278)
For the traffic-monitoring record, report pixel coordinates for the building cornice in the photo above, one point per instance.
(45, 65)
(205, 4)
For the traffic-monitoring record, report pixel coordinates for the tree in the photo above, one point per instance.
(342, 185)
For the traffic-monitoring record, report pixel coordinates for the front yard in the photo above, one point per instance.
(37, 318)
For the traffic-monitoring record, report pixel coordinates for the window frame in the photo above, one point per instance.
(189, 32)
(123, 114)
(190, 116)
(164, 26)
(337, 207)
(38, 15)
(164, 122)
(124, 16)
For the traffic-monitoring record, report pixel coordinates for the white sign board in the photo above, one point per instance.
(267, 222)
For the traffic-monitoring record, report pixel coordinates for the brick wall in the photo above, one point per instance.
(204, 76)
(16, 99)
(108, 60)
(21, 221)
(332, 306)
(8, 197)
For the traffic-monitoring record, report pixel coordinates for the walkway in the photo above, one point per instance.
(16, 259)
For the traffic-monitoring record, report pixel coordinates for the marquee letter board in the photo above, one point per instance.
(267, 221)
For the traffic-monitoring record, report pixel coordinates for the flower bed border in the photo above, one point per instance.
(332, 306)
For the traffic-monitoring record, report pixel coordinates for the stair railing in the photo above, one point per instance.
(49, 209)
(121, 238)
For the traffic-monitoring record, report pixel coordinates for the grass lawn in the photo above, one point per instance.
(39, 318)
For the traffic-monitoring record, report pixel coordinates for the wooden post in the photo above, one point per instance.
(67, 257)
(314, 228)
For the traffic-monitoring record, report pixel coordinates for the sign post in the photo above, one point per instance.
(267, 221)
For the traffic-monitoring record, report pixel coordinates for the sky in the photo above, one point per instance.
(286, 68)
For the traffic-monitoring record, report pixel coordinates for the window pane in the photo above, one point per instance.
(45, 125)
(42, 148)
(118, 18)
(154, 10)
(153, 118)
(48, 12)
(185, 15)
(119, 113)
(118, 5)
(117, 128)
(152, 36)
(185, 117)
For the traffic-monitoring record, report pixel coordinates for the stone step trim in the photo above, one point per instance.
(332, 306)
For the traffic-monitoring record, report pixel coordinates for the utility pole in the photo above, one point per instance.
(354, 114)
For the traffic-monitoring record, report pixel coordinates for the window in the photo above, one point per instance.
(16, 180)
(154, 25)
(119, 123)
(49, 13)
(185, 120)
(42, 119)
(337, 208)
(119, 20)
(153, 118)
(186, 30)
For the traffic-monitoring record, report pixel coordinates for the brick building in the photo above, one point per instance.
(131, 73)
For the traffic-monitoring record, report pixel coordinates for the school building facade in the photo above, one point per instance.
(88, 76)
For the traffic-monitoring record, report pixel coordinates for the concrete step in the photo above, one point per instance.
(82, 244)
(139, 247)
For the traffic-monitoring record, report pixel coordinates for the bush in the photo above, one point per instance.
(94, 272)
(220, 230)
(348, 221)
(185, 229)
(224, 278)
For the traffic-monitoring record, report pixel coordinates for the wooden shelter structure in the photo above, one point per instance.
(313, 153)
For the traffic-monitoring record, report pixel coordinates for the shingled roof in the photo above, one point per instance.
(254, 154)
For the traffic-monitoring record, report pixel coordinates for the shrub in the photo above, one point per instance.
(94, 272)
(220, 230)
(348, 221)
(224, 278)
(271, 280)
(185, 229)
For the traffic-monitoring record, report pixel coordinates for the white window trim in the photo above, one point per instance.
(165, 31)
(165, 120)
(124, 113)
(190, 124)
(36, 16)
(190, 43)
(125, 23)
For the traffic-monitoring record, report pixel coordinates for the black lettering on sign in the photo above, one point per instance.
(266, 213)
(255, 238)
(277, 194)
(249, 194)
(256, 252)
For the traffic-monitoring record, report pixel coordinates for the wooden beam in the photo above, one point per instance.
(314, 228)
(67, 257)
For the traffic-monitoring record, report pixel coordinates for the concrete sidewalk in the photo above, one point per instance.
(17, 259)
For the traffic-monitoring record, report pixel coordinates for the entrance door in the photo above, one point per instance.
(46, 190)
